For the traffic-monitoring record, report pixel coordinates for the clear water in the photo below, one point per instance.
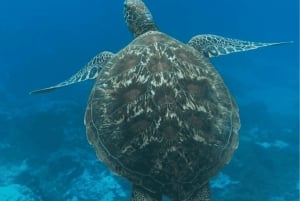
(44, 154)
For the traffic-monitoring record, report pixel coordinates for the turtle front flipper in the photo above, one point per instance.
(213, 45)
(141, 194)
(138, 17)
(88, 72)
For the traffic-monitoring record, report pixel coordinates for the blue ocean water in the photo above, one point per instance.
(44, 154)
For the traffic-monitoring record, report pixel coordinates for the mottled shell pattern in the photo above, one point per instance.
(161, 116)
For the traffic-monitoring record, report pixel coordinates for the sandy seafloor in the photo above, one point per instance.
(44, 154)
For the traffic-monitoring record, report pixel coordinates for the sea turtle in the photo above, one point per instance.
(159, 114)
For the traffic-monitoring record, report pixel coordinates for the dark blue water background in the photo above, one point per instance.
(44, 154)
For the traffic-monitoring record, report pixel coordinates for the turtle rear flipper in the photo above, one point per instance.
(141, 194)
(213, 45)
(88, 72)
(201, 195)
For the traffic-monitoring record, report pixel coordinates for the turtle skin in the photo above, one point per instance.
(161, 116)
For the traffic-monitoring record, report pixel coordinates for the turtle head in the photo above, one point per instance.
(138, 17)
